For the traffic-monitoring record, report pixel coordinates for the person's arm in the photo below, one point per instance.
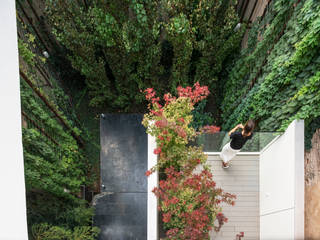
(235, 128)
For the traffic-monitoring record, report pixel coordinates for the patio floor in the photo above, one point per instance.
(242, 179)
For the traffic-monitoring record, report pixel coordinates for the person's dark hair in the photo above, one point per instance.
(249, 126)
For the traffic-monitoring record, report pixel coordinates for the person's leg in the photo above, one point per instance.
(225, 155)
(223, 152)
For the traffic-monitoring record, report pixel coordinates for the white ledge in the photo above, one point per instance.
(239, 153)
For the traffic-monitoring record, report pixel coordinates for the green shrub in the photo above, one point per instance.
(45, 231)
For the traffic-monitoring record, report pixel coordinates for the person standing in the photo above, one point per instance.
(238, 139)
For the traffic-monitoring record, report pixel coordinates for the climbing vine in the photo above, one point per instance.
(247, 67)
(287, 86)
(122, 47)
(200, 117)
(55, 161)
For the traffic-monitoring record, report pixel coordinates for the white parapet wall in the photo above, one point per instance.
(152, 224)
(13, 219)
(282, 186)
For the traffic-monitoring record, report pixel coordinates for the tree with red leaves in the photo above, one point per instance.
(189, 201)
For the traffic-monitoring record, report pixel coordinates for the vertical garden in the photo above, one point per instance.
(59, 169)
(276, 79)
(79, 58)
(124, 47)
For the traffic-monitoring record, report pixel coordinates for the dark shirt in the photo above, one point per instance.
(238, 140)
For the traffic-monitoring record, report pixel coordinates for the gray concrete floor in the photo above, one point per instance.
(242, 179)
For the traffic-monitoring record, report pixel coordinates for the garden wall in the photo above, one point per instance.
(59, 160)
(276, 79)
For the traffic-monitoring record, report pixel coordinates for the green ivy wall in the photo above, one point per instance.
(118, 52)
(277, 79)
(123, 47)
(55, 144)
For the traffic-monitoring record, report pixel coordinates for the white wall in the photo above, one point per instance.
(282, 186)
(152, 224)
(277, 226)
(13, 221)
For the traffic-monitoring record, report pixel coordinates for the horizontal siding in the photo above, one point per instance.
(241, 179)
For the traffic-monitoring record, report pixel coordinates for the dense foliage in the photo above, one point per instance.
(55, 165)
(201, 118)
(47, 232)
(278, 76)
(124, 46)
(189, 200)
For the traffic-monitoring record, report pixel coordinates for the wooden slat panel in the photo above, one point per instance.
(241, 179)
(259, 9)
(250, 8)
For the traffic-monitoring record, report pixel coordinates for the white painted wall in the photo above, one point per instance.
(282, 186)
(13, 220)
(278, 226)
(152, 224)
